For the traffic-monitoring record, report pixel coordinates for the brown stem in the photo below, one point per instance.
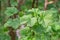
(20, 2)
(45, 4)
(9, 5)
(18, 7)
(12, 33)
(0, 6)
(33, 3)
(36, 3)
(51, 2)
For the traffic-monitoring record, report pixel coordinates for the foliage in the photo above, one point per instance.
(45, 26)
(38, 24)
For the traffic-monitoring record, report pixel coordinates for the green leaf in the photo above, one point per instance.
(4, 37)
(32, 22)
(24, 19)
(14, 23)
(25, 32)
(11, 11)
(57, 27)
